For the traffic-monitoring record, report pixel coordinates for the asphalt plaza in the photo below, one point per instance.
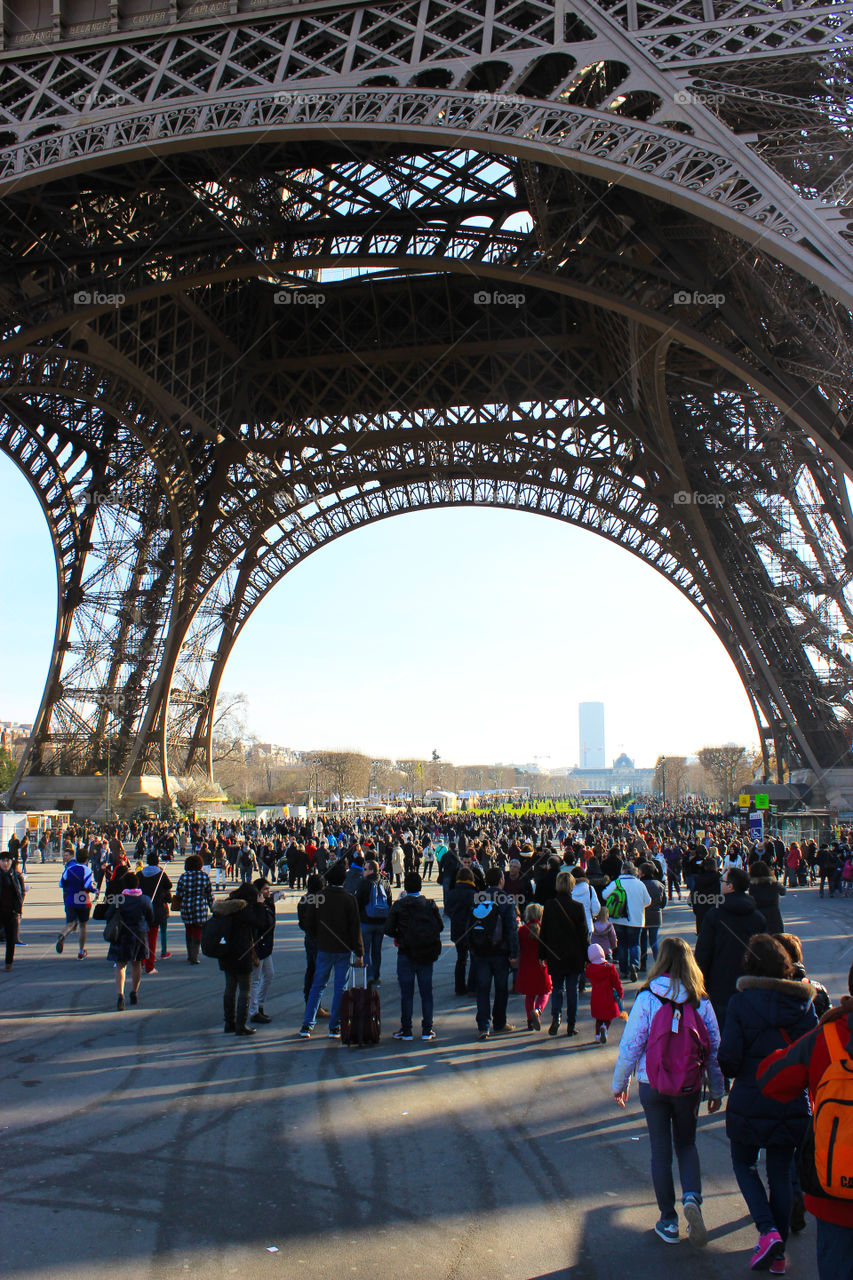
(147, 1143)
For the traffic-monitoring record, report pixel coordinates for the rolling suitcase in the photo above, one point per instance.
(360, 1011)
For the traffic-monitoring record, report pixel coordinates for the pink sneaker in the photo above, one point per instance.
(778, 1265)
(769, 1248)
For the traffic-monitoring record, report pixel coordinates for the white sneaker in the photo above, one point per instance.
(697, 1232)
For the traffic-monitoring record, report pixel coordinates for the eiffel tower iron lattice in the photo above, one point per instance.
(274, 271)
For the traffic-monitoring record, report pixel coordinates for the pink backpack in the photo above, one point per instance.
(678, 1049)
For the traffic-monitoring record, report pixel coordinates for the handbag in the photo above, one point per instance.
(99, 911)
(113, 928)
(176, 903)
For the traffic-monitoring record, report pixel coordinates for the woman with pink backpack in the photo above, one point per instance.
(670, 1042)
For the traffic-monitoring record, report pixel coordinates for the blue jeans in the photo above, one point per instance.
(834, 1251)
(326, 962)
(486, 968)
(672, 1121)
(648, 941)
(562, 979)
(373, 935)
(773, 1214)
(627, 946)
(407, 972)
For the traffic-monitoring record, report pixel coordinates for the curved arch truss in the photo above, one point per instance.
(275, 276)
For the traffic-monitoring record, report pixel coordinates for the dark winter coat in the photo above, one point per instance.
(240, 955)
(12, 891)
(759, 1011)
(563, 939)
(657, 893)
(766, 894)
(460, 904)
(263, 922)
(333, 920)
(721, 945)
(704, 895)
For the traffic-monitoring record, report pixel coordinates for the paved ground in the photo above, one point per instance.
(148, 1144)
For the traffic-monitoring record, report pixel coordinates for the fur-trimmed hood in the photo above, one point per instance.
(790, 987)
(229, 907)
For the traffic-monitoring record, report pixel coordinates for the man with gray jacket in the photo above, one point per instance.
(629, 924)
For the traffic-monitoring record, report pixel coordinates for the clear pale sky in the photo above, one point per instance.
(475, 632)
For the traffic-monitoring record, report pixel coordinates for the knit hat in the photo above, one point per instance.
(595, 954)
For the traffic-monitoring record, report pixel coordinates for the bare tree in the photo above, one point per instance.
(414, 772)
(670, 772)
(345, 772)
(727, 766)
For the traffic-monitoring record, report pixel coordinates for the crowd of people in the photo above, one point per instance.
(548, 907)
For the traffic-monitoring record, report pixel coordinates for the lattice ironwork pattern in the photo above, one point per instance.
(273, 272)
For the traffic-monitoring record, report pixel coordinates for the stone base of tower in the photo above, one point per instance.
(86, 796)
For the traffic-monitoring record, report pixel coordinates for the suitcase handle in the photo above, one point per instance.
(362, 969)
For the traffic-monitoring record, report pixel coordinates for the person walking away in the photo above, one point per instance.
(157, 886)
(604, 934)
(606, 990)
(653, 915)
(793, 858)
(239, 960)
(194, 899)
(429, 858)
(493, 939)
(332, 919)
(723, 938)
(563, 943)
(705, 893)
(415, 923)
(128, 938)
(765, 891)
(76, 883)
(770, 1009)
(533, 980)
(819, 1061)
(315, 886)
(374, 897)
(460, 906)
(634, 899)
(674, 990)
(12, 894)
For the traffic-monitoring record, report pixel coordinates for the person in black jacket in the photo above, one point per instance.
(11, 904)
(705, 892)
(723, 938)
(765, 891)
(493, 960)
(563, 942)
(263, 921)
(240, 959)
(769, 1010)
(652, 920)
(415, 923)
(460, 905)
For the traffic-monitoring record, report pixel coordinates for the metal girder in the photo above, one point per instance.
(269, 277)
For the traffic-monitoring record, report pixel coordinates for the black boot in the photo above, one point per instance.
(555, 1025)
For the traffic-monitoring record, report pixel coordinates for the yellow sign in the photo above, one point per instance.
(744, 801)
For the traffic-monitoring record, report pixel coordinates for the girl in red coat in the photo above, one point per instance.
(606, 988)
(533, 980)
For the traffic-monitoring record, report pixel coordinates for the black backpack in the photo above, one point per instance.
(486, 930)
(216, 937)
(420, 931)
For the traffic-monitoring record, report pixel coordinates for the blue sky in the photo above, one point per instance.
(475, 632)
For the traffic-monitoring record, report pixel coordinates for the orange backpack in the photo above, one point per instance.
(833, 1117)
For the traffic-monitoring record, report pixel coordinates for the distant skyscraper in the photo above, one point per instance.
(591, 739)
